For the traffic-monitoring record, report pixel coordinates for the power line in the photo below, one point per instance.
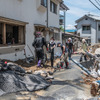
(95, 5)
(97, 2)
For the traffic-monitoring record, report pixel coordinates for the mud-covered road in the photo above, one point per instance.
(65, 86)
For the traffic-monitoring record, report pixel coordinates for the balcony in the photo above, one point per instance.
(41, 5)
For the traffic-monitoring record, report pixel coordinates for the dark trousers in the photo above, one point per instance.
(83, 55)
(40, 54)
(52, 58)
(69, 53)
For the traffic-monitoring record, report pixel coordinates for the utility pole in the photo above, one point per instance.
(64, 21)
(47, 13)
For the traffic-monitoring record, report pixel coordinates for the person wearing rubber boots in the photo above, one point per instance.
(64, 53)
(51, 47)
(38, 43)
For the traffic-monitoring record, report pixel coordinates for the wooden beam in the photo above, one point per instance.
(4, 33)
(12, 21)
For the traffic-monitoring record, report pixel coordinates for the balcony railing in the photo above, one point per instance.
(61, 21)
(41, 5)
(44, 3)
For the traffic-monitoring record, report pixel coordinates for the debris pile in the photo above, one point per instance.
(45, 74)
(94, 47)
(94, 83)
(92, 73)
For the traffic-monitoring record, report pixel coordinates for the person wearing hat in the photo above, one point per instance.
(84, 48)
(38, 43)
(51, 47)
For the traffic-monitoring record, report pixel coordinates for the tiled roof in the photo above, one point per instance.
(95, 17)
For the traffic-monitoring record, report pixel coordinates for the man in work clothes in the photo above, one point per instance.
(70, 48)
(84, 48)
(38, 43)
(51, 47)
(64, 53)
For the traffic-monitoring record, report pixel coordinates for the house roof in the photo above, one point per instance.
(71, 30)
(66, 34)
(63, 6)
(60, 0)
(95, 17)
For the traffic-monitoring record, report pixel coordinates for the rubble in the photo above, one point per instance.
(94, 47)
(46, 75)
(92, 74)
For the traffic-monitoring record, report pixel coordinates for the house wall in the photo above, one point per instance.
(28, 11)
(98, 32)
(91, 33)
(54, 18)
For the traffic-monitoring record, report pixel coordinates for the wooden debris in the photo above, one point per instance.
(94, 89)
(91, 81)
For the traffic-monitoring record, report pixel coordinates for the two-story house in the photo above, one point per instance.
(88, 27)
(21, 19)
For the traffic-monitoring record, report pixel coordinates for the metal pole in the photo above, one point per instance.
(83, 68)
(47, 13)
(64, 21)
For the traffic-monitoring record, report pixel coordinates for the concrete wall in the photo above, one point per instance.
(54, 18)
(91, 33)
(98, 32)
(27, 11)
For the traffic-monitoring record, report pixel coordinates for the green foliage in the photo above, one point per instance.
(62, 29)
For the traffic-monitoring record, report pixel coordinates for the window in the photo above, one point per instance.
(61, 20)
(13, 34)
(44, 3)
(53, 7)
(98, 27)
(86, 28)
(57, 36)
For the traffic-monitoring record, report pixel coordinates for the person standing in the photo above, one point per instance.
(51, 47)
(38, 43)
(70, 48)
(84, 48)
(64, 52)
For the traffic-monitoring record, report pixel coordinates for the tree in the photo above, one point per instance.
(62, 29)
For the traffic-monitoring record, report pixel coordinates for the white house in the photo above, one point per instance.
(20, 19)
(88, 27)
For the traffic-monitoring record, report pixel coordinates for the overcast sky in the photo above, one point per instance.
(78, 8)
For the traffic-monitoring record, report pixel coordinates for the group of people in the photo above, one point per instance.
(40, 41)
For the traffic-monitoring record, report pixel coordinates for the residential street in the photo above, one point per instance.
(65, 86)
(49, 50)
